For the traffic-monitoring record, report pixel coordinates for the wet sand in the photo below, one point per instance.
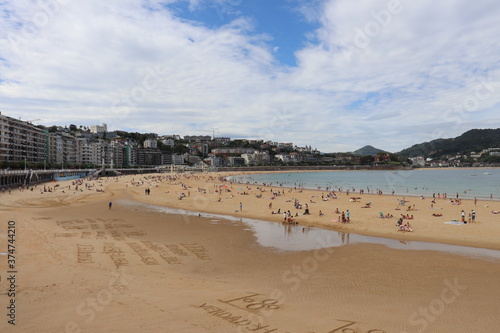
(82, 267)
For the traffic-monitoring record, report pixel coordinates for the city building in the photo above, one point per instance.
(147, 157)
(21, 141)
(99, 129)
(197, 138)
(151, 143)
(62, 148)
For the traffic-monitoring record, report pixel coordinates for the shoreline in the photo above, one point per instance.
(364, 221)
(202, 193)
(428, 245)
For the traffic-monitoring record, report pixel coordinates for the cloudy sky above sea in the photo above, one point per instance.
(333, 74)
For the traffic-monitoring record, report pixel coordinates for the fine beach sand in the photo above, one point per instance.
(82, 267)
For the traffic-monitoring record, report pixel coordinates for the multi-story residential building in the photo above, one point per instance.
(151, 143)
(215, 161)
(257, 158)
(99, 129)
(84, 152)
(168, 142)
(117, 154)
(285, 158)
(236, 161)
(222, 140)
(285, 145)
(101, 153)
(62, 148)
(149, 157)
(261, 157)
(192, 159)
(249, 160)
(419, 160)
(21, 141)
(168, 158)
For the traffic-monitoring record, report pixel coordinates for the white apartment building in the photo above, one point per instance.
(257, 158)
(287, 158)
(168, 142)
(96, 129)
(151, 143)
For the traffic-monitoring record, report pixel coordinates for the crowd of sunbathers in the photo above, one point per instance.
(386, 216)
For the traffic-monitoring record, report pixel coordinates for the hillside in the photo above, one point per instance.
(367, 151)
(471, 141)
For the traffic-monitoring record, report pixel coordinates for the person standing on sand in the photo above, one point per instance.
(241, 207)
(110, 204)
(473, 216)
(463, 216)
(348, 216)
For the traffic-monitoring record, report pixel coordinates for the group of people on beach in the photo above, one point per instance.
(471, 217)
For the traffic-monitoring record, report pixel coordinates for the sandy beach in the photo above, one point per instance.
(83, 265)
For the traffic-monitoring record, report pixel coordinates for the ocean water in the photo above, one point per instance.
(290, 238)
(467, 183)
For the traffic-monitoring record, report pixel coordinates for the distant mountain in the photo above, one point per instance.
(471, 141)
(368, 150)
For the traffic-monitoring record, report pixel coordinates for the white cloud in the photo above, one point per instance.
(367, 77)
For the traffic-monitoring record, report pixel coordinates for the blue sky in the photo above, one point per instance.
(283, 25)
(332, 74)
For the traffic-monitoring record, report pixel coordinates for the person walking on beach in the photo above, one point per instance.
(110, 204)
(241, 207)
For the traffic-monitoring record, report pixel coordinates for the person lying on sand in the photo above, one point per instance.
(406, 227)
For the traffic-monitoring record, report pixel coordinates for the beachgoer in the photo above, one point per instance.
(463, 216)
(348, 216)
(110, 204)
(473, 216)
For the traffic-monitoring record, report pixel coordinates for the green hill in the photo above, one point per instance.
(471, 141)
(367, 151)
